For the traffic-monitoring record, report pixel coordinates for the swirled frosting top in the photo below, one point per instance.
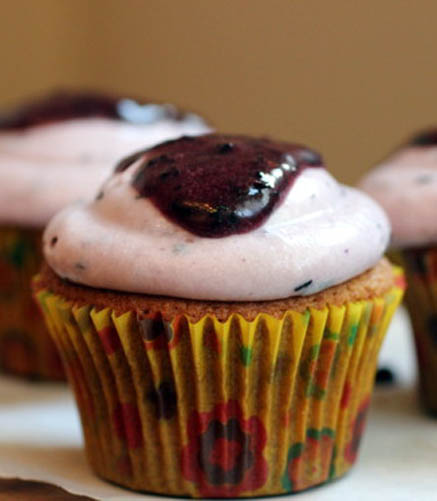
(61, 148)
(405, 184)
(219, 217)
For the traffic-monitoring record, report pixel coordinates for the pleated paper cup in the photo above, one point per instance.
(421, 300)
(26, 348)
(211, 408)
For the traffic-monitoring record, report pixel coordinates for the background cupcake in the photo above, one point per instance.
(405, 184)
(219, 312)
(53, 151)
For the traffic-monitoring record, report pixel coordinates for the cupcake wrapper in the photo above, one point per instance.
(221, 409)
(421, 300)
(26, 348)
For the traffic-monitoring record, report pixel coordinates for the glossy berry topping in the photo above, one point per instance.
(425, 138)
(61, 106)
(218, 185)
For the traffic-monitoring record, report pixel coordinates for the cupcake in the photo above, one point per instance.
(219, 308)
(54, 151)
(405, 184)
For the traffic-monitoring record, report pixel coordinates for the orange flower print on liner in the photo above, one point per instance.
(353, 446)
(319, 443)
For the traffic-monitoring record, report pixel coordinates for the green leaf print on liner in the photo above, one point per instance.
(333, 336)
(314, 390)
(308, 366)
(353, 329)
(318, 443)
(246, 355)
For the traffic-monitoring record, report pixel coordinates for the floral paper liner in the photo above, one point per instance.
(26, 348)
(221, 409)
(420, 266)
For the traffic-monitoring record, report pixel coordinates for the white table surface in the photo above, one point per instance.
(40, 439)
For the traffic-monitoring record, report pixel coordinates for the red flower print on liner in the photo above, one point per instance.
(211, 340)
(319, 377)
(110, 340)
(346, 395)
(351, 451)
(127, 424)
(224, 454)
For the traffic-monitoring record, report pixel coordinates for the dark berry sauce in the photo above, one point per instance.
(425, 138)
(61, 106)
(217, 185)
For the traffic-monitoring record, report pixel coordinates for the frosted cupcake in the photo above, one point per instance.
(405, 184)
(219, 308)
(54, 151)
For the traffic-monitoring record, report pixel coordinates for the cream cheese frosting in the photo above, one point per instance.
(49, 164)
(405, 184)
(321, 234)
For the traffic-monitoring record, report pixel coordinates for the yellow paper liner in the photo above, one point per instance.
(26, 348)
(221, 409)
(421, 300)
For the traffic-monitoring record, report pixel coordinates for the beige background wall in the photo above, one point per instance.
(350, 77)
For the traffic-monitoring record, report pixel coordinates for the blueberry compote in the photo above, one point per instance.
(61, 106)
(220, 185)
(425, 138)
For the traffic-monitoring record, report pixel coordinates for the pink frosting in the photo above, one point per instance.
(45, 167)
(406, 186)
(322, 234)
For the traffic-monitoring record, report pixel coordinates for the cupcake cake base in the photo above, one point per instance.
(208, 399)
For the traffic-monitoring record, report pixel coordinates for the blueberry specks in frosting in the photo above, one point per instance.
(303, 286)
(216, 185)
(424, 179)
